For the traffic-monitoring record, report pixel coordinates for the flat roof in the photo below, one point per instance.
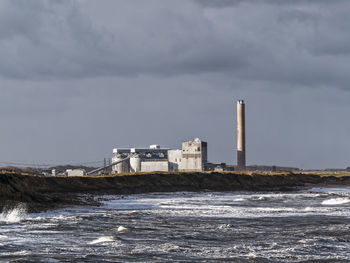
(132, 150)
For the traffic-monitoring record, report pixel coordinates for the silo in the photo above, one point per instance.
(126, 166)
(135, 163)
(122, 167)
(241, 162)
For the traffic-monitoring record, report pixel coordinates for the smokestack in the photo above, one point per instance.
(241, 165)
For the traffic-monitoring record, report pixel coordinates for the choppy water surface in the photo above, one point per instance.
(304, 226)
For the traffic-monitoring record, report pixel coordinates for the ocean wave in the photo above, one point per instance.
(336, 201)
(224, 226)
(122, 229)
(239, 199)
(177, 226)
(99, 240)
(13, 215)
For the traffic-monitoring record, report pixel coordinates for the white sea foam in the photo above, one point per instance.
(104, 239)
(240, 205)
(239, 199)
(13, 215)
(168, 247)
(224, 226)
(345, 189)
(16, 253)
(336, 201)
(44, 229)
(122, 229)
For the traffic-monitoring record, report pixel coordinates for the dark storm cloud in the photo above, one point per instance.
(78, 78)
(226, 3)
(301, 43)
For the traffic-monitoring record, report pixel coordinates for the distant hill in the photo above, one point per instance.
(38, 171)
(271, 168)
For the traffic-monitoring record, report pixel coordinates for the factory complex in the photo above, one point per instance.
(191, 157)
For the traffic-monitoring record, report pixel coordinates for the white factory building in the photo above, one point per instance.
(191, 157)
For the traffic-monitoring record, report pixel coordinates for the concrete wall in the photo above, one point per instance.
(75, 172)
(194, 156)
(174, 158)
(154, 166)
(204, 149)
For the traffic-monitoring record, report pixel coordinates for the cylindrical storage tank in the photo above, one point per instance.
(118, 167)
(122, 167)
(135, 163)
(115, 158)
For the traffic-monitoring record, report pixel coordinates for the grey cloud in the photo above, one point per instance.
(41, 39)
(298, 43)
(218, 3)
(228, 3)
(78, 78)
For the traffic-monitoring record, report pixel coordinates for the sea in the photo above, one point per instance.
(299, 226)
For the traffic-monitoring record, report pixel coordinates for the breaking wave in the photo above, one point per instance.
(102, 240)
(336, 201)
(13, 215)
(182, 227)
(122, 229)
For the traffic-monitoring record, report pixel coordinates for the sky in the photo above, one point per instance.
(81, 77)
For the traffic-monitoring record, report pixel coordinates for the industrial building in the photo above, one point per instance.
(191, 157)
(194, 156)
(75, 172)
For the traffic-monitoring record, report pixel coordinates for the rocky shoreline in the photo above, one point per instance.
(45, 193)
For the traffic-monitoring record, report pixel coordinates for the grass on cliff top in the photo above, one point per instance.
(328, 173)
(190, 172)
(14, 172)
(319, 173)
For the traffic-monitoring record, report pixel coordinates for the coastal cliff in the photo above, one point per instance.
(50, 192)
